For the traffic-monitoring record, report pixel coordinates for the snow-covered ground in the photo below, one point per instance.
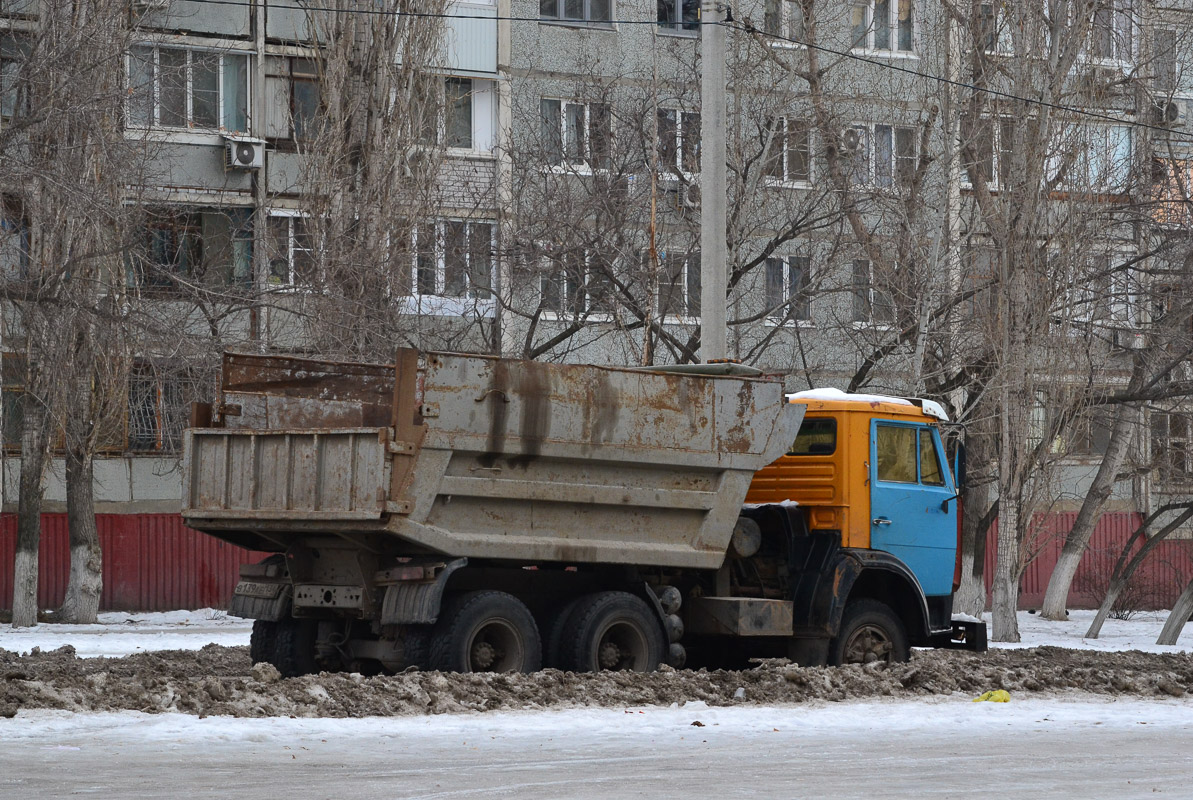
(942, 748)
(123, 633)
(1138, 633)
(1063, 746)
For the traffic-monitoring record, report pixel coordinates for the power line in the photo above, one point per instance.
(962, 84)
(1073, 110)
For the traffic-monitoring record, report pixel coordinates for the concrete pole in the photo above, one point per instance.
(713, 249)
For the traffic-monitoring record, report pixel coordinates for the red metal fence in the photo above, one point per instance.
(152, 562)
(1156, 584)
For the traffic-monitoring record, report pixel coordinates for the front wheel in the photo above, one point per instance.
(870, 632)
(486, 631)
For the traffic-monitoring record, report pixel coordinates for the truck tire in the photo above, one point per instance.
(486, 631)
(261, 642)
(612, 630)
(555, 625)
(294, 647)
(870, 631)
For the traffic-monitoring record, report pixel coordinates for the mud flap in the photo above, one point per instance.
(416, 602)
(965, 635)
(256, 600)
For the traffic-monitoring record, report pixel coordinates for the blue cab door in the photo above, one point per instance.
(909, 482)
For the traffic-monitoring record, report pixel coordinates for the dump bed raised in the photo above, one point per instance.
(482, 457)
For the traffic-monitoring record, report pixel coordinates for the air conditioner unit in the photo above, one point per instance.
(851, 139)
(1129, 340)
(243, 153)
(1169, 113)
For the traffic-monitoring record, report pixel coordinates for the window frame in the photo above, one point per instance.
(780, 19)
(440, 267)
(873, 160)
(559, 136)
(782, 131)
(156, 105)
(684, 283)
(675, 155)
(869, 36)
(677, 23)
(876, 296)
(585, 18)
(146, 274)
(573, 278)
(796, 294)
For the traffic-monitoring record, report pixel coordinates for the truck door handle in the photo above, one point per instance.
(881, 521)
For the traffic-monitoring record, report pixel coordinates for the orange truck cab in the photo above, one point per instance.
(868, 499)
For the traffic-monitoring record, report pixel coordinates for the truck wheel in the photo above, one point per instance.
(261, 643)
(294, 647)
(486, 631)
(612, 630)
(870, 632)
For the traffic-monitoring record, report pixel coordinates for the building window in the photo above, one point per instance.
(788, 286)
(291, 252)
(880, 155)
(576, 10)
(872, 303)
(784, 19)
(882, 25)
(993, 36)
(679, 285)
(679, 16)
(578, 284)
(159, 401)
(180, 248)
(789, 156)
(14, 241)
(14, 90)
(172, 87)
(452, 258)
(679, 141)
(1112, 32)
(1171, 447)
(575, 134)
(1165, 66)
(1103, 159)
(294, 110)
(989, 146)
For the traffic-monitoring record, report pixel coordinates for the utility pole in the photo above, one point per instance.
(713, 247)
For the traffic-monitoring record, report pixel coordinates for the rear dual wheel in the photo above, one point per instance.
(485, 631)
(610, 631)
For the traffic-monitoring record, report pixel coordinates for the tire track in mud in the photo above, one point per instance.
(221, 681)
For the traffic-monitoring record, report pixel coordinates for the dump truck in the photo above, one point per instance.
(472, 513)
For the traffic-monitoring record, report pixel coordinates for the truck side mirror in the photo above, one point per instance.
(959, 466)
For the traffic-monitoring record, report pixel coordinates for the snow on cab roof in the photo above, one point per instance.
(929, 407)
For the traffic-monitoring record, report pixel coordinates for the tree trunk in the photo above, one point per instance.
(1181, 610)
(1057, 595)
(34, 459)
(81, 604)
(971, 595)
(1004, 606)
(1124, 569)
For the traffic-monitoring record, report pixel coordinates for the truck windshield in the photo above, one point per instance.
(816, 437)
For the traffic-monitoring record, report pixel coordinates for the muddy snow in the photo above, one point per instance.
(217, 680)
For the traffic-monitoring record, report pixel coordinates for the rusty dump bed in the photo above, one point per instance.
(483, 457)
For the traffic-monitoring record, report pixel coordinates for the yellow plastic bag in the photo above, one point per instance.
(996, 696)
